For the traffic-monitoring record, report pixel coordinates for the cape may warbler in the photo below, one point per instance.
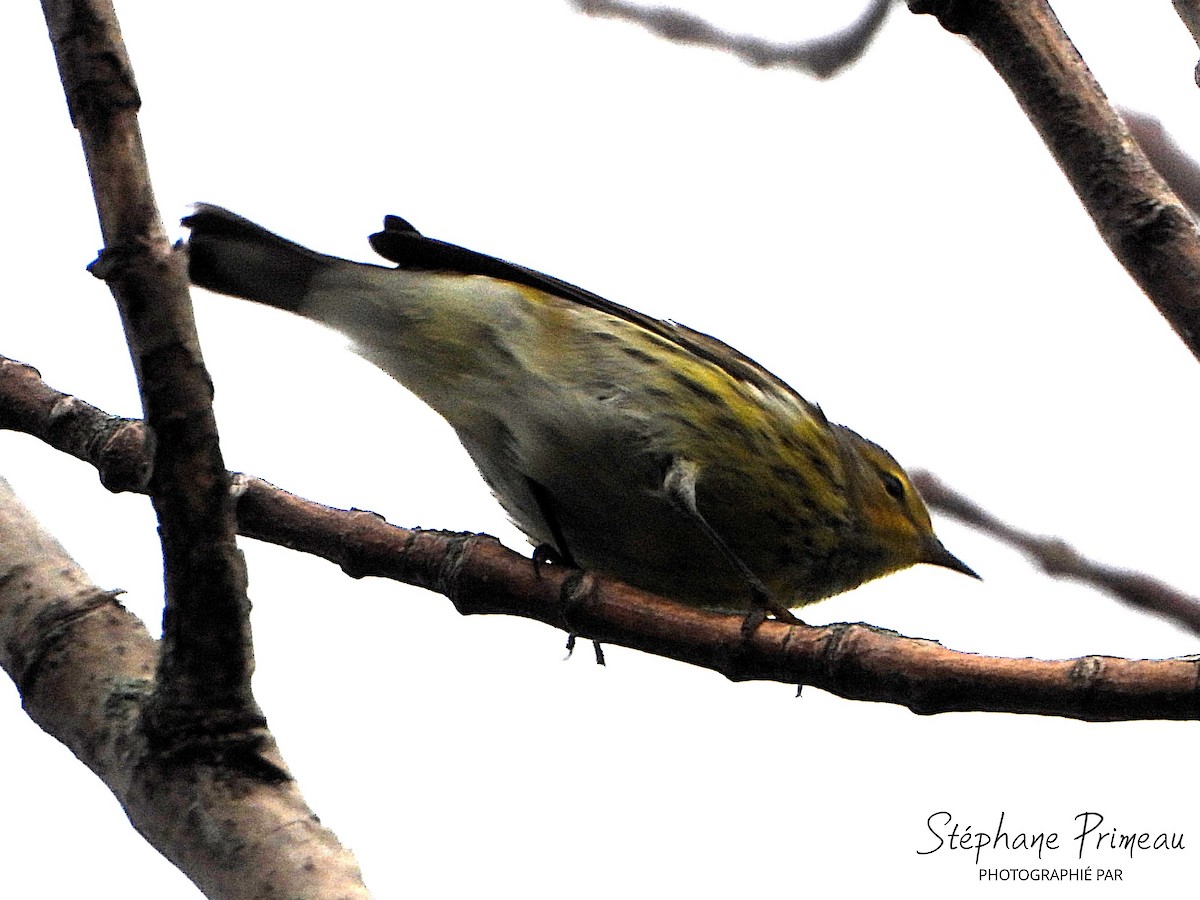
(617, 442)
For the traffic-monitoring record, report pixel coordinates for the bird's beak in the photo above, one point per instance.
(937, 555)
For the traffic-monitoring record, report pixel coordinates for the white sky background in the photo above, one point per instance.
(896, 243)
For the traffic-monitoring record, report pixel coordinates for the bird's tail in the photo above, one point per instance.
(232, 255)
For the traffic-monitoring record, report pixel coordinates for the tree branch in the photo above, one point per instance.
(207, 658)
(1140, 219)
(1059, 559)
(85, 668)
(191, 738)
(823, 58)
(855, 661)
(852, 660)
(108, 443)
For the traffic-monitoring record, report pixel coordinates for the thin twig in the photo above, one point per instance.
(823, 57)
(1059, 559)
(852, 660)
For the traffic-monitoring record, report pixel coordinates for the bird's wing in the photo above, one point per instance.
(401, 243)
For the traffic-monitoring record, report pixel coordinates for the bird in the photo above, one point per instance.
(617, 442)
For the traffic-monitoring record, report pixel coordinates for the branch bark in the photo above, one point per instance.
(852, 660)
(1139, 217)
(187, 751)
(207, 658)
(855, 661)
(85, 668)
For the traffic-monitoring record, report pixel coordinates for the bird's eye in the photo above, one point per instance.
(893, 485)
